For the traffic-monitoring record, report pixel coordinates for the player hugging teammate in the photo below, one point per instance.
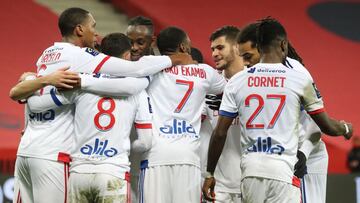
(76, 143)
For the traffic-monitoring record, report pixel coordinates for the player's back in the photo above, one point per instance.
(177, 96)
(268, 97)
(102, 129)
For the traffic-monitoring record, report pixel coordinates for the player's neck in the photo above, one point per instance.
(72, 40)
(271, 57)
(235, 67)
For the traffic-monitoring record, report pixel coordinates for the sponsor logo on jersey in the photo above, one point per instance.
(265, 145)
(99, 148)
(91, 51)
(251, 70)
(178, 127)
(268, 70)
(43, 116)
(317, 91)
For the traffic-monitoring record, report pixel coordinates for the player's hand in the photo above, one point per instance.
(350, 128)
(208, 189)
(181, 59)
(213, 101)
(25, 75)
(300, 166)
(63, 79)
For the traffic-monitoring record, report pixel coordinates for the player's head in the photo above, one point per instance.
(271, 38)
(141, 33)
(78, 26)
(173, 40)
(223, 46)
(117, 45)
(197, 55)
(247, 45)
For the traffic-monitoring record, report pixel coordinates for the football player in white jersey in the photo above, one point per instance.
(271, 135)
(100, 166)
(227, 172)
(172, 171)
(77, 27)
(314, 148)
(140, 31)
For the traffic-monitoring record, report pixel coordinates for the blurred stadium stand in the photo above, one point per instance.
(326, 34)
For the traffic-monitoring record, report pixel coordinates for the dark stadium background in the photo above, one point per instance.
(325, 33)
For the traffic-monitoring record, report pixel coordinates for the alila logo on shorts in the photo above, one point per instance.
(265, 145)
(99, 148)
(178, 127)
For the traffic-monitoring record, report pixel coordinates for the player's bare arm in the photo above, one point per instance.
(216, 146)
(61, 79)
(331, 126)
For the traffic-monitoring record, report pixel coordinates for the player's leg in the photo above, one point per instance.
(253, 190)
(186, 183)
(313, 188)
(222, 197)
(112, 189)
(155, 184)
(81, 188)
(23, 185)
(236, 197)
(50, 179)
(282, 192)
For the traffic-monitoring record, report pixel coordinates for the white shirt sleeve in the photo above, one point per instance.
(218, 83)
(143, 123)
(311, 98)
(310, 134)
(49, 100)
(90, 61)
(112, 86)
(228, 107)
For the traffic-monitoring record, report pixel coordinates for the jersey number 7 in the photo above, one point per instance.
(249, 124)
(190, 85)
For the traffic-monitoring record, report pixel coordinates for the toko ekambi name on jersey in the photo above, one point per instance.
(187, 71)
(265, 145)
(99, 148)
(43, 116)
(179, 127)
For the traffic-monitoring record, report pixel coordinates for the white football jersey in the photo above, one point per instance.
(102, 129)
(102, 132)
(177, 95)
(317, 162)
(49, 132)
(267, 98)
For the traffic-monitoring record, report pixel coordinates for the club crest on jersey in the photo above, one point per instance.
(317, 91)
(91, 51)
(43, 116)
(99, 148)
(265, 145)
(178, 127)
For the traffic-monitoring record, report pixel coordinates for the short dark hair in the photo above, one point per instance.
(197, 55)
(169, 39)
(115, 44)
(248, 33)
(230, 32)
(70, 18)
(141, 20)
(269, 31)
